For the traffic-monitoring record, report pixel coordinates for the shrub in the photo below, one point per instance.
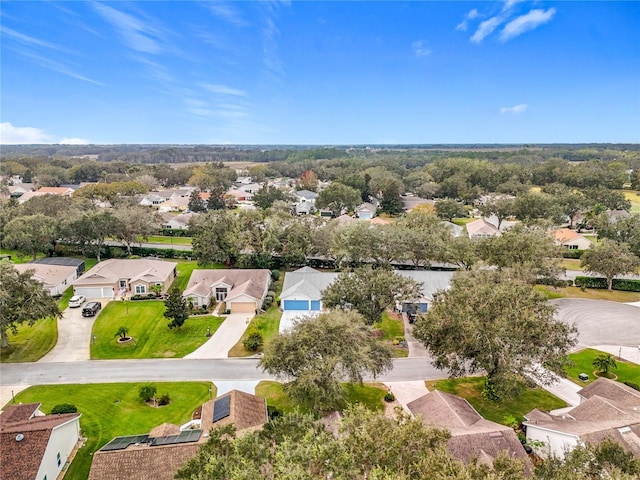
(591, 282)
(164, 399)
(273, 412)
(271, 294)
(622, 284)
(626, 285)
(147, 392)
(389, 397)
(64, 408)
(253, 341)
(275, 275)
(633, 385)
(554, 282)
(572, 253)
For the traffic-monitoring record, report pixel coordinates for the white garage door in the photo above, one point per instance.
(95, 292)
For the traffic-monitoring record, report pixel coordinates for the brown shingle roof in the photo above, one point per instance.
(202, 281)
(619, 392)
(164, 430)
(446, 410)
(21, 459)
(246, 411)
(142, 462)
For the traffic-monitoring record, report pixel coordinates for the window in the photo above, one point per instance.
(59, 459)
(123, 284)
(221, 293)
(141, 289)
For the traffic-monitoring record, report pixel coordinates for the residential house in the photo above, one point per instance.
(455, 230)
(243, 290)
(482, 228)
(240, 195)
(409, 202)
(302, 289)
(432, 282)
(249, 187)
(116, 277)
(35, 446)
(472, 436)
(159, 454)
(176, 222)
(366, 211)
(607, 410)
(243, 180)
(571, 239)
(19, 189)
(78, 263)
(54, 278)
(64, 191)
(305, 202)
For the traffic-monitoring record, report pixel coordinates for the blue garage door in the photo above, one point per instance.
(422, 307)
(315, 305)
(296, 304)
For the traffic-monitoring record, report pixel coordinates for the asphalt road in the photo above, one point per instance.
(110, 371)
(601, 322)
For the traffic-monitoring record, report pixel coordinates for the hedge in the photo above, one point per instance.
(623, 284)
(566, 253)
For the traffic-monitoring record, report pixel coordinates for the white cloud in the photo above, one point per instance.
(464, 24)
(224, 90)
(515, 110)
(227, 12)
(486, 28)
(508, 4)
(136, 33)
(525, 23)
(12, 135)
(29, 40)
(420, 49)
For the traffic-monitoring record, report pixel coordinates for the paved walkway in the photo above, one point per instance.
(74, 335)
(406, 392)
(561, 387)
(223, 340)
(630, 354)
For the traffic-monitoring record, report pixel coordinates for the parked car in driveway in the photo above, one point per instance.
(77, 301)
(91, 309)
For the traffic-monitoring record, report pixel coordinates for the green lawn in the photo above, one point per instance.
(470, 388)
(596, 294)
(463, 221)
(185, 268)
(267, 324)
(393, 328)
(571, 264)
(626, 371)
(63, 301)
(18, 257)
(31, 343)
(167, 240)
(148, 327)
(634, 198)
(114, 409)
(370, 395)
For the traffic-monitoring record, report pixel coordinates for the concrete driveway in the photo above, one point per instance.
(290, 317)
(601, 322)
(227, 335)
(74, 335)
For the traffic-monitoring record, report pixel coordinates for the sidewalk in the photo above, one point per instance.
(223, 340)
(561, 387)
(630, 354)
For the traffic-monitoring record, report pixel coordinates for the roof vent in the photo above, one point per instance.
(19, 437)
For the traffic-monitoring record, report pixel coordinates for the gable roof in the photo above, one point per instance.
(367, 207)
(252, 282)
(245, 411)
(472, 436)
(112, 270)
(48, 275)
(608, 410)
(481, 227)
(20, 459)
(307, 194)
(142, 462)
(306, 282)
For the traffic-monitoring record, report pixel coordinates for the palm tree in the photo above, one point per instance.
(122, 333)
(604, 362)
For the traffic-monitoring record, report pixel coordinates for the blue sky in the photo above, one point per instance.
(320, 72)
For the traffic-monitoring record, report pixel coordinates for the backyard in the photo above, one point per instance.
(503, 410)
(370, 395)
(151, 338)
(114, 409)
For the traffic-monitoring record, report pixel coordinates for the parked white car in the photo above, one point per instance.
(77, 301)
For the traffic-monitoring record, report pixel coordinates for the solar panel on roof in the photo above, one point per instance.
(183, 437)
(221, 408)
(120, 443)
